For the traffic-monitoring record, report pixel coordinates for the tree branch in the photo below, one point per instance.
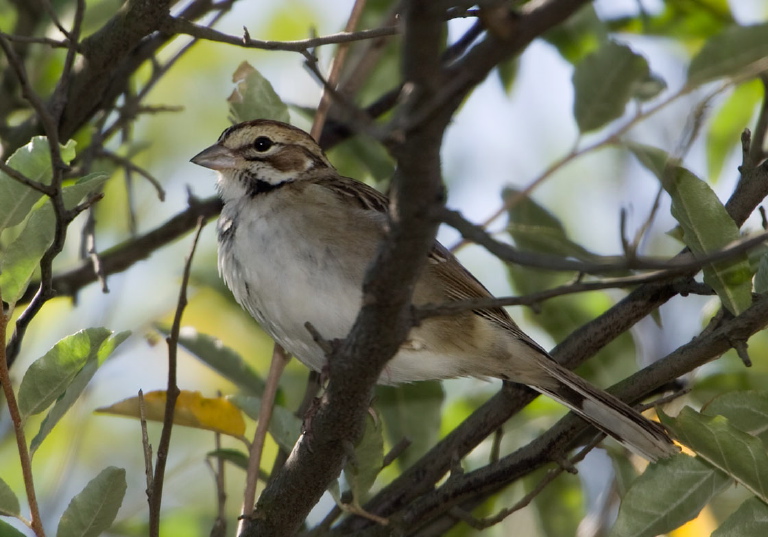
(177, 25)
(125, 255)
(384, 320)
(682, 263)
(556, 442)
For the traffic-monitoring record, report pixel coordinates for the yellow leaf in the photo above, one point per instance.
(192, 410)
(704, 524)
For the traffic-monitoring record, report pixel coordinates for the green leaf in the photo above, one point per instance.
(761, 276)
(724, 134)
(738, 51)
(412, 411)
(372, 155)
(75, 388)
(706, 226)
(284, 426)
(654, 159)
(535, 229)
(222, 359)
(34, 161)
(649, 88)
(669, 493)
(334, 489)
(749, 520)
(49, 376)
(745, 410)
(254, 97)
(740, 455)
(6, 530)
(507, 71)
(579, 35)
(688, 22)
(94, 509)
(604, 82)
(362, 470)
(9, 503)
(22, 257)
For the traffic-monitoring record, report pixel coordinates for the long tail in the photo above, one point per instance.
(607, 413)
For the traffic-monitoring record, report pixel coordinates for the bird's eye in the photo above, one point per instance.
(262, 143)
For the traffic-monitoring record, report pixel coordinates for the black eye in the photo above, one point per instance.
(262, 143)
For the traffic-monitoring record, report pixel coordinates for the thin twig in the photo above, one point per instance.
(54, 18)
(26, 39)
(155, 496)
(124, 255)
(181, 26)
(484, 523)
(607, 264)
(643, 229)
(333, 77)
(18, 426)
(24, 180)
(310, 396)
(89, 243)
(359, 120)
(47, 120)
(532, 299)
(397, 450)
(279, 360)
(146, 446)
(64, 217)
(129, 165)
(220, 524)
(60, 95)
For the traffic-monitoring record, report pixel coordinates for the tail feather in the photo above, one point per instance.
(610, 415)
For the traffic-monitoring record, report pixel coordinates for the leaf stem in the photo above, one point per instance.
(155, 494)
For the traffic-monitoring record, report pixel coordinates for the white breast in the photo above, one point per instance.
(285, 274)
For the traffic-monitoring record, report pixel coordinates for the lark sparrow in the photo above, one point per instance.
(295, 241)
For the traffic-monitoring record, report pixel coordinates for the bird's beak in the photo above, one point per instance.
(216, 157)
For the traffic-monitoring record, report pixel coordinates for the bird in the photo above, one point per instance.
(295, 239)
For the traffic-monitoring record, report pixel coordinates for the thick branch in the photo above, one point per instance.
(555, 443)
(125, 255)
(109, 57)
(384, 320)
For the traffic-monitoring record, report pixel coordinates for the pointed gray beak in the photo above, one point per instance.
(216, 157)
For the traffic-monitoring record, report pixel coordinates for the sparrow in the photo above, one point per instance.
(295, 239)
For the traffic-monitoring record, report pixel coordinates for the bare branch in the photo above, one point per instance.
(125, 255)
(24, 180)
(277, 366)
(155, 495)
(129, 165)
(333, 78)
(178, 25)
(679, 264)
(26, 39)
(385, 319)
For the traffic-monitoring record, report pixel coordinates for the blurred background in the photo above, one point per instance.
(505, 135)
